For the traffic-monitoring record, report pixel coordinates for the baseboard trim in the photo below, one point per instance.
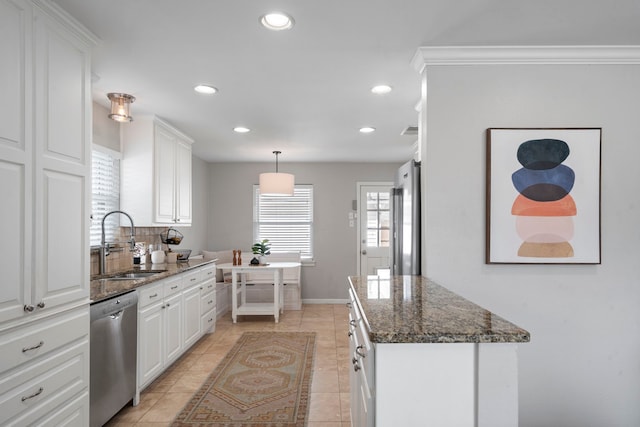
(325, 301)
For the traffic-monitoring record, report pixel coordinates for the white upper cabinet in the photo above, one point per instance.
(45, 121)
(156, 173)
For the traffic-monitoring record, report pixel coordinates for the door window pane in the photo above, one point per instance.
(378, 219)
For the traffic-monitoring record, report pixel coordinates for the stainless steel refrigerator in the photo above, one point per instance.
(406, 220)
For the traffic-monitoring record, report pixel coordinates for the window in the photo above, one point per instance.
(287, 221)
(378, 219)
(105, 193)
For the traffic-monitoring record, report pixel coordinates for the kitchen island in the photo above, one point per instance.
(424, 356)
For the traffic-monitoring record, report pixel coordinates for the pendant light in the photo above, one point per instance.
(276, 184)
(120, 103)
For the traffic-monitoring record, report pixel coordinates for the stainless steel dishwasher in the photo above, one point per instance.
(114, 336)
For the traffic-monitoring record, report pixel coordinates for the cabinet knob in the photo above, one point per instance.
(41, 304)
(348, 305)
(349, 334)
(29, 308)
(359, 351)
(352, 322)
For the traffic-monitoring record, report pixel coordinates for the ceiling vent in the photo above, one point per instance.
(410, 130)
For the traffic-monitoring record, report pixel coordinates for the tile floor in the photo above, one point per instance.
(329, 403)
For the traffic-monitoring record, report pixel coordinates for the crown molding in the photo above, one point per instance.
(525, 55)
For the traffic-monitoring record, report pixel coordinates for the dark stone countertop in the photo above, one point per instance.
(101, 289)
(414, 309)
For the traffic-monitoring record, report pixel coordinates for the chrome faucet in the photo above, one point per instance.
(104, 246)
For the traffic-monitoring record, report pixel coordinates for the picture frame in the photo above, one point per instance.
(543, 196)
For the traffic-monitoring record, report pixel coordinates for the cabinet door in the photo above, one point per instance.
(15, 160)
(173, 327)
(165, 175)
(183, 183)
(150, 343)
(192, 304)
(62, 163)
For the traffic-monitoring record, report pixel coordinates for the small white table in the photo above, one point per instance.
(238, 275)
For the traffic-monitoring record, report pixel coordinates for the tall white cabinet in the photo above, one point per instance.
(45, 125)
(156, 173)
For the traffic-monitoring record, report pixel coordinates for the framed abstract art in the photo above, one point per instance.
(543, 196)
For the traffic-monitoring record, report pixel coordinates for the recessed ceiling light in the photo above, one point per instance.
(277, 21)
(241, 129)
(381, 89)
(206, 89)
(367, 129)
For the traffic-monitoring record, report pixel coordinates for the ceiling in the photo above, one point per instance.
(306, 91)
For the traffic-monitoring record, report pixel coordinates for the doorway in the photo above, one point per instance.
(374, 228)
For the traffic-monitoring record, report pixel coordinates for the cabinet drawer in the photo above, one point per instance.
(29, 342)
(208, 302)
(172, 286)
(208, 272)
(150, 294)
(30, 393)
(192, 277)
(208, 286)
(209, 322)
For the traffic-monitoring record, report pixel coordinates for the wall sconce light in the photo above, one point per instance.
(276, 184)
(120, 103)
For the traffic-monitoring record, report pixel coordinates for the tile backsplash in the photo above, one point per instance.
(121, 258)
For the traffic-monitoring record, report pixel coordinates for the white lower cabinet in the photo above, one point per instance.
(44, 369)
(361, 374)
(151, 336)
(171, 318)
(192, 324)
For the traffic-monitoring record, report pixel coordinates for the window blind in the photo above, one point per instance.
(105, 193)
(287, 221)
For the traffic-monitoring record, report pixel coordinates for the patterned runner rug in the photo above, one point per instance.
(264, 381)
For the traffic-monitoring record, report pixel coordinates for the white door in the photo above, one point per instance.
(374, 225)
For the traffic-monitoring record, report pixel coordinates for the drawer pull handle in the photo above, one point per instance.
(37, 393)
(356, 367)
(359, 351)
(174, 287)
(35, 347)
(210, 301)
(29, 308)
(210, 320)
(153, 296)
(193, 279)
(201, 287)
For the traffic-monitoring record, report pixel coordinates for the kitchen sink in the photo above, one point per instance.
(132, 275)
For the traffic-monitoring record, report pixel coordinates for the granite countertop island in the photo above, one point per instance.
(102, 288)
(425, 356)
(414, 309)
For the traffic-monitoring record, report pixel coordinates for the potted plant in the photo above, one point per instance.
(262, 249)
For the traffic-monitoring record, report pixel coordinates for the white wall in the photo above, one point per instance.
(582, 366)
(231, 215)
(106, 132)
